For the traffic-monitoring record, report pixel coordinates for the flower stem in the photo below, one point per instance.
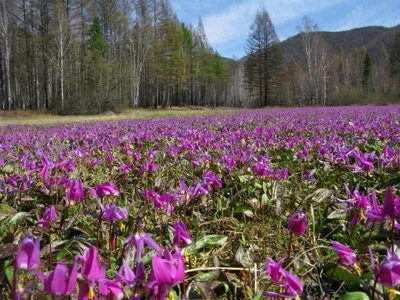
(374, 288)
(393, 230)
(51, 251)
(290, 248)
(14, 282)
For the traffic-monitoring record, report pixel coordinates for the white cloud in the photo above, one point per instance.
(234, 23)
(380, 13)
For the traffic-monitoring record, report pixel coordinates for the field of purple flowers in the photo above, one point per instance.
(284, 203)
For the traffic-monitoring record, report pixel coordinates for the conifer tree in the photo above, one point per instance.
(367, 71)
(264, 58)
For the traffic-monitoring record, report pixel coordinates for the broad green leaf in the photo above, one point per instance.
(355, 296)
(9, 271)
(18, 217)
(340, 274)
(337, 214)
(243, 257)
(206, 276)
(211, 241)
(6, 209)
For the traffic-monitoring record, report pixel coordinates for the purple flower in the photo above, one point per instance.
(28, 256)
(195, 163)
(210, 178)
(389, 270)
(298, 223)
(57, 283)
(274, 269)
(292, 287)
(137, 156)
(139, 239)
(91, 269)
(21, 291)
(365, 161)
(113, 213)
(262, 168)
(74, 192)
(346, 255)
(181, 237)
(389, 209)
(198, 190)
(86, 292)
(107, 189)
(49, 217)
(127, 275)
(166, 272)
(168, 199)
(110, 289)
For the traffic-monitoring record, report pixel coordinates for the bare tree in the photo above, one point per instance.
(139, 45)
(5, 34)
(63, 42)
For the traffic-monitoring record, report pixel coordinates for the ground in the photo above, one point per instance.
(34, 117)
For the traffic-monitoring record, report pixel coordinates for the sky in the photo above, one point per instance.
(227, 22)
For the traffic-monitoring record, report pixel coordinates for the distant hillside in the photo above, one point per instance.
(372, 37)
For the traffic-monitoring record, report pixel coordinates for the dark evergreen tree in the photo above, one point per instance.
(367, 71)
(97, 43)
(264, 59)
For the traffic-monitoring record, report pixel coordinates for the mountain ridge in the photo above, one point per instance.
(372, 37)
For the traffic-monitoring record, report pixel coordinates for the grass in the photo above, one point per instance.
(35, 117)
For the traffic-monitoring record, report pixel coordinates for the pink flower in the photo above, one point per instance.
(274, 269)
(91, 269)
(107, 189)
(112, 213)
(181, 236)
(292, 287)
(139, 239)
(28, 256)
(166, 272)
(346, 255)
(49, 217)
(74, 192)
(298, 223)
(57, 283)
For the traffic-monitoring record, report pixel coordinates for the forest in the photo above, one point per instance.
(92, 56)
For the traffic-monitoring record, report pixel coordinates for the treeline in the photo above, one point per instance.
(88, 56)
(322, 77)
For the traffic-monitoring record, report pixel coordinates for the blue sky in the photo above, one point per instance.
(227, 22)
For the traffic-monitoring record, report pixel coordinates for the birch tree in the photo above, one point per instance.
(62, 44)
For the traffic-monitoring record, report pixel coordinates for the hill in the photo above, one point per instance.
(372, 37)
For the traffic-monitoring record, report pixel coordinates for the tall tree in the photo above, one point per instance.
(5, 34)
(395, 60)
(263, 61)
(63, 43)
(367, 71)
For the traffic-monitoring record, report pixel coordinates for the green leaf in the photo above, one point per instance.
(205, 290)
(340, 274)
(355, 296)
(242, 257)
(245, 210)
(18, 217)
(206, 276)
(9, 271)
(337, 214)
(6, 209)
(258, 296)
(211, 241)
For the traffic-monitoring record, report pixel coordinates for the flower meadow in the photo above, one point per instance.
(262, 204)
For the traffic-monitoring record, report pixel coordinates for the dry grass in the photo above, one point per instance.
(34, 117)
